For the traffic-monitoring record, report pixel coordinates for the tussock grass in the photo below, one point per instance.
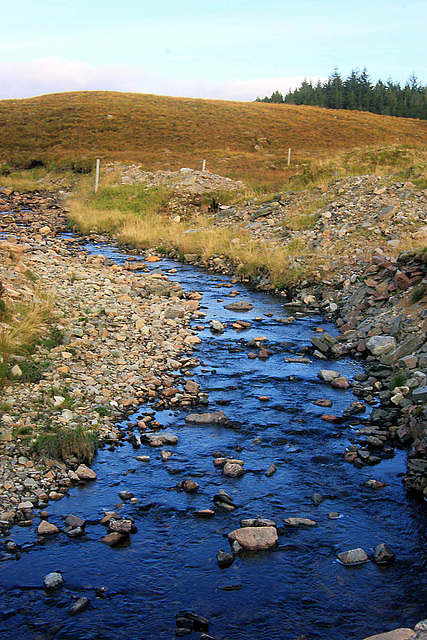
(64, 443)
(21, 327)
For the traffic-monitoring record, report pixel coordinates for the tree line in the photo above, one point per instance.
(357, 92)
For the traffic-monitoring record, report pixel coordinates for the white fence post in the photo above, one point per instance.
(96, 175)
(289, 156)
(204, 165)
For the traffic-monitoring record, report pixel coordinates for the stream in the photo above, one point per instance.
(298, 589)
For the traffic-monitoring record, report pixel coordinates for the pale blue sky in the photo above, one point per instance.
(234, 49)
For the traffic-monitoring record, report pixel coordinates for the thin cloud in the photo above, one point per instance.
(54, 75)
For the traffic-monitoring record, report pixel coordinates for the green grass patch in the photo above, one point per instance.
(419, 293)
(64, 443)
(399, 380)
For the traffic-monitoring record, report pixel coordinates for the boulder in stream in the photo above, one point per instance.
(240, 305)
(53, 581)
(254, 538)
(214, 417)
(353, 556)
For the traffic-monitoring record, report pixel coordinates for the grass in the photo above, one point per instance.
(24, 180)
(23, 324)
(399, 380)
(64, 443)
(419, 293)
(57, 138)
(135, 216)
(241, 140)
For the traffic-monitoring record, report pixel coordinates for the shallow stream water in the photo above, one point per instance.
(299, 588)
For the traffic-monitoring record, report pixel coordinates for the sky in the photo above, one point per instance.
(225, 49)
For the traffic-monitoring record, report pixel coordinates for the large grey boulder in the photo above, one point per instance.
(405, 348)
(380, 345)
(420, 394)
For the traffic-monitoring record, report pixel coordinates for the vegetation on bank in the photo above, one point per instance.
(64, 443)
(246, 141)
(138, 216)
(357, 92)
(22, 322)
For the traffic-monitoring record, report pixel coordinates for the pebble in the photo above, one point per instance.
(53, 581)
(224, 559)
(271, 470)
(78, 606)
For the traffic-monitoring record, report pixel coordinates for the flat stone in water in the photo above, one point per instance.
(254, 538)
(240, 305)
(300, 522)
(353, 556)
(215, 417)
(397, 634)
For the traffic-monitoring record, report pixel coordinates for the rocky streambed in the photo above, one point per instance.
(247, 484)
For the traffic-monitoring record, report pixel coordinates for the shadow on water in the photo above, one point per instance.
(297, 589)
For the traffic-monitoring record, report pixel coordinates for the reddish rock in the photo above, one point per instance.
(170, 393)
(189, 486)
(113, 539)
(329, 418)
(300, 522)
(47, 529)
(204, 513)
(397, 634)
(350, 456)
(191, 387)
(340, 383)
(323, 402)
(233, 470)
(402, 281)
(353, 556)
(84, 473)
(254, 538)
